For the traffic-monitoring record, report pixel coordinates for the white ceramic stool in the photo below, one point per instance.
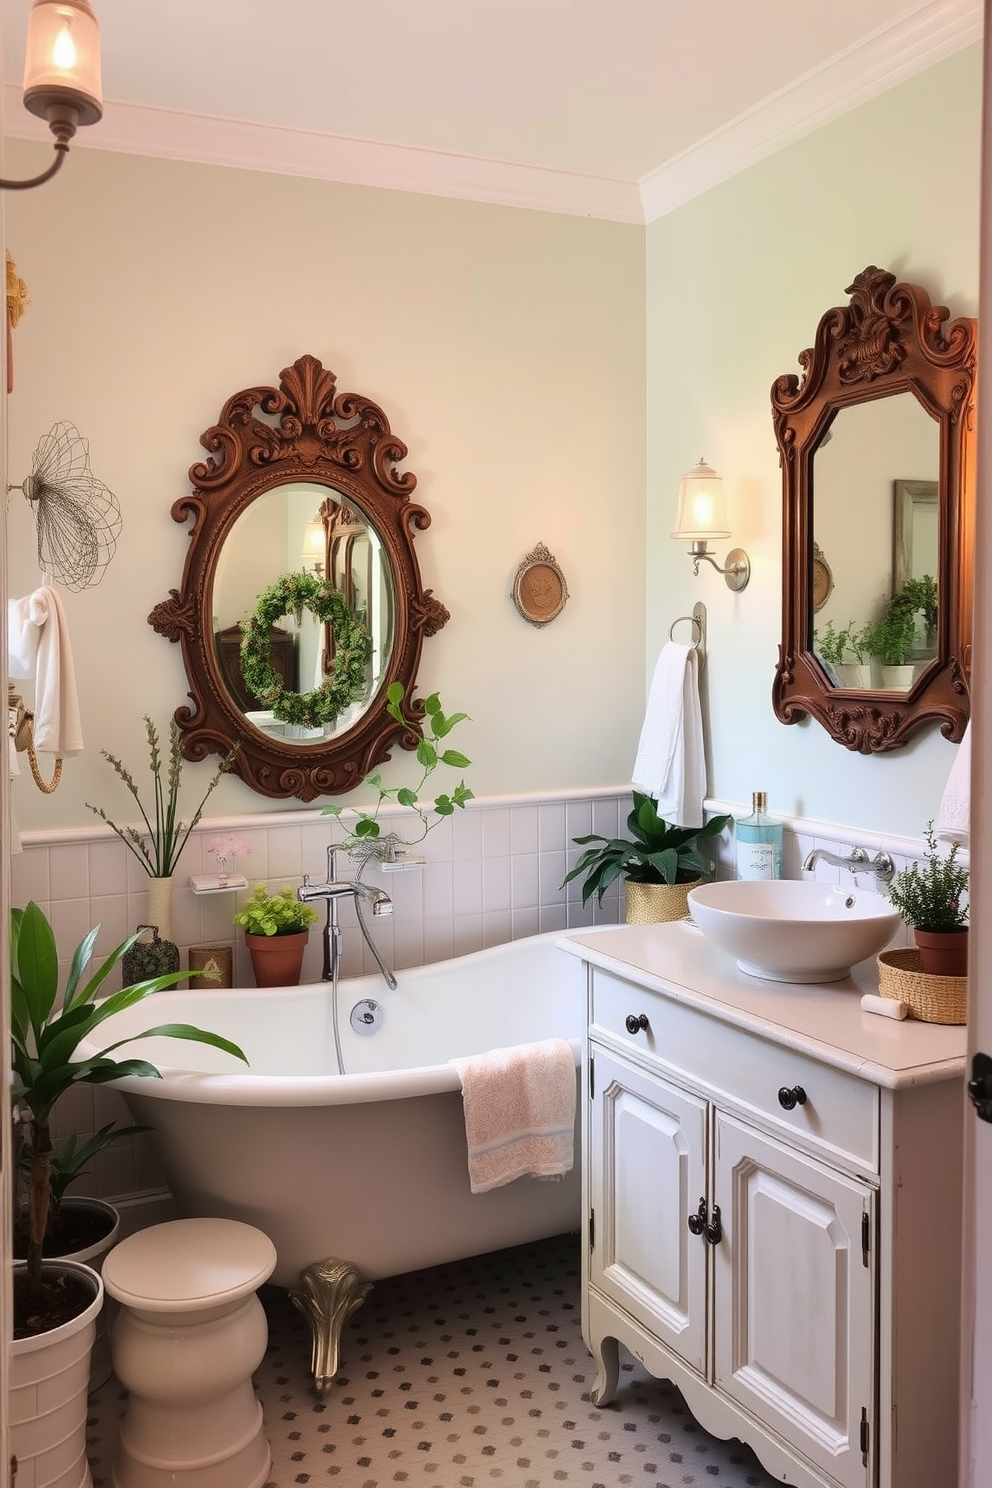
(191, 1332)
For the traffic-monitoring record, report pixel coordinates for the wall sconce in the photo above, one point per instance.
(61, 75)
(702, 515)
(314, 553)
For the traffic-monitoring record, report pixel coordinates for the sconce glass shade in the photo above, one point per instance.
(701, 513)
(62, 61)
(314, 545)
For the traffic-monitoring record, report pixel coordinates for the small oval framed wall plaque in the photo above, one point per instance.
(539, 590)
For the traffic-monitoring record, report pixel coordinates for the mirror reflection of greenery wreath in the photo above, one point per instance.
(297, 592)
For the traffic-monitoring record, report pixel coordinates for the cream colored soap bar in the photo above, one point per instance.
(889, 1007)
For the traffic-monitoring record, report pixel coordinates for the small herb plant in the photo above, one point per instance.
(276, 913)
(437, 725)
(834, 645)
(918, 597)
(157, 849)
(891, 637)
(930, 894)
(655, 852)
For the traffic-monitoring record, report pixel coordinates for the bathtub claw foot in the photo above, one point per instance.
(330, 1292)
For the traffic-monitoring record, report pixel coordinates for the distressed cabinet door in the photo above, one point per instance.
(794, 1298)
(648, 1174)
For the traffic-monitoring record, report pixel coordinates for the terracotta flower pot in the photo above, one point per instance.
(943, 952)
(277, 960)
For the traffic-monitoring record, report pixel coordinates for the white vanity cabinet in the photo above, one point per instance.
(773, 1209)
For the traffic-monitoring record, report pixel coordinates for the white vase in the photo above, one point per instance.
(160, 906)
(854, 675)
(49, 1381)
(897, 678)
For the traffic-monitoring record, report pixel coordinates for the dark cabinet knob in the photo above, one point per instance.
(790, 1099)
(714, 1230)
(636, 1022)
(697, 1221)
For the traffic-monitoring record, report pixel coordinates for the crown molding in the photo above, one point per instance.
(888, 56)
(134, 129)
(934, 30)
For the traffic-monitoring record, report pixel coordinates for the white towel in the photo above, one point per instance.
(38, 646)
(519, 1112)
(670, 765)
(954, 816)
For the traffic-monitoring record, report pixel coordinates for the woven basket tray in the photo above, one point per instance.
(934, 999)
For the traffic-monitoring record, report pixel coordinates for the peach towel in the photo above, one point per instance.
(519, 1112)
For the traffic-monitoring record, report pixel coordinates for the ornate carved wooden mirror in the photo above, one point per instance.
(876, 442)
(301, 601)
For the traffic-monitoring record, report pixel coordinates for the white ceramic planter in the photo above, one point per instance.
(93, 1255)
(49, 1383)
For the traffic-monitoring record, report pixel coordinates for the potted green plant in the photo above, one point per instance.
(890, 638)
(365, 838)
(658, 862)
(80, 1227)
(835, 646)
(159, 846)
(919, 597)
(931, 895)
(277, 927)
(56, 1302)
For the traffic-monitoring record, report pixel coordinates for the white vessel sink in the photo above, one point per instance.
(787, 930)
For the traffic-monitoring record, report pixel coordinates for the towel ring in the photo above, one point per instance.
(698, 622)
(697, 629)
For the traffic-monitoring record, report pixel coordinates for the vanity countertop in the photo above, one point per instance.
(824, 1019)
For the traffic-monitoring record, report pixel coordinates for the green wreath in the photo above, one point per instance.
(352, 647)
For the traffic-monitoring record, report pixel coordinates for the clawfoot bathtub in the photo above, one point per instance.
(362, 1174)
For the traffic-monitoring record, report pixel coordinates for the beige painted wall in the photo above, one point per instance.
(736, 283)
(507, 349)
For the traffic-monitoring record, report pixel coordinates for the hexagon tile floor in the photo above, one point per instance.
(462, 1376)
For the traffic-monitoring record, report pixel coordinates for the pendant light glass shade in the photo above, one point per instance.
(62, 61)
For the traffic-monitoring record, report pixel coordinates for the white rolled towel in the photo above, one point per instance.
(954, 816)
(38, 646)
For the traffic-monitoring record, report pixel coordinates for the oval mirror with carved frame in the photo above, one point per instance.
(890, 343)
(290, 466)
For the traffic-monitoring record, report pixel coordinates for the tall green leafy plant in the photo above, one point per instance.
(46, 1029)
(157, 849)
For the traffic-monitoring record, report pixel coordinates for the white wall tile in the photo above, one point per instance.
(524, 882)
(524, 830)
(495, 833)
(496, 886)
(467, 888)
(70, 872)
(30, 877)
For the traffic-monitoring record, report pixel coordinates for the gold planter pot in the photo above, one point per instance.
(652, 904)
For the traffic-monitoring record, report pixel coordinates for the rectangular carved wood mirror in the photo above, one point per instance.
(884, 410)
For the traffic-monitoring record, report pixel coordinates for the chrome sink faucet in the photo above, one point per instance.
(857, 861)
(332, 891)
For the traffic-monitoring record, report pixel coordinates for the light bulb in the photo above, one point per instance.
(64, 50)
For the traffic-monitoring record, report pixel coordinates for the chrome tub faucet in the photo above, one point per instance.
(856, 861)
(331, 892)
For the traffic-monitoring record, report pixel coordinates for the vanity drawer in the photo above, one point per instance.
(839, 1116)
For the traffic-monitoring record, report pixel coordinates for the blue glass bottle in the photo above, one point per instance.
(759, 842)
